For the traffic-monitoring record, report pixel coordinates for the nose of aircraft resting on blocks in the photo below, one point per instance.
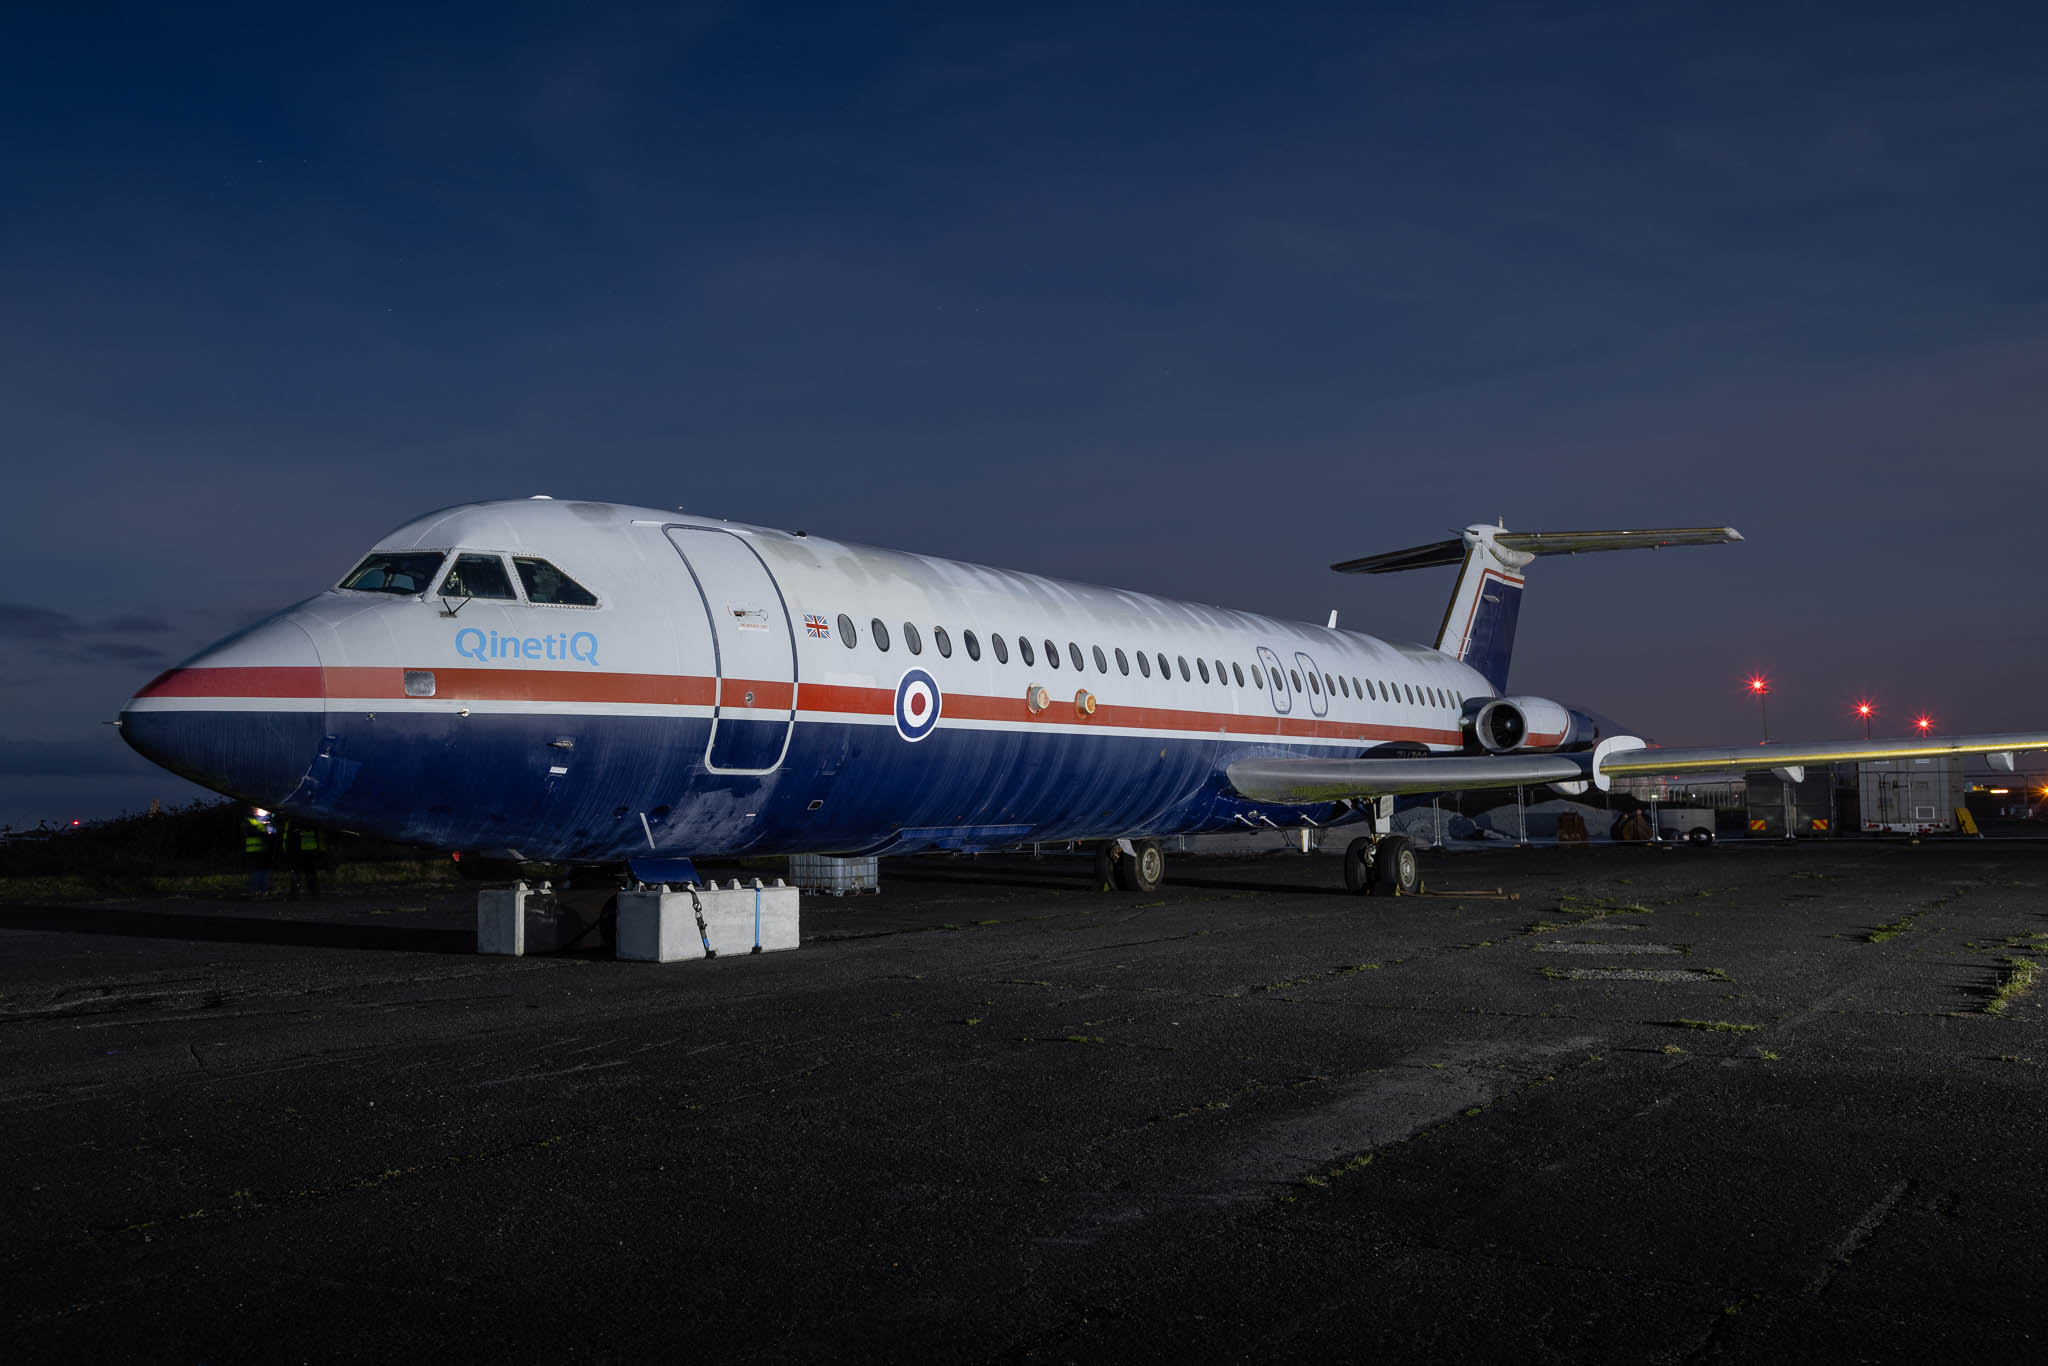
(245, 717)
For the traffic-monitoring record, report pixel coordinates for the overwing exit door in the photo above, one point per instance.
(755, 704)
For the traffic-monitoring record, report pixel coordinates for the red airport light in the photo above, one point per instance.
(1924, 723)
(1760, 689)
(1864, 709)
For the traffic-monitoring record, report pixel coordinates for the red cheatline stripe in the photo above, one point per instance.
(280, 682)
(559, 685)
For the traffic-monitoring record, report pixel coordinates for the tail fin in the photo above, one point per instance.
(1479, 624)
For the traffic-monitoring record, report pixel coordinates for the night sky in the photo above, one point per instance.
(1189, 300)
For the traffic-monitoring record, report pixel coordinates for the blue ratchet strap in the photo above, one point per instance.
(757, 916)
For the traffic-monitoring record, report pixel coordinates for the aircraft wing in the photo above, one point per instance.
(1305, 781)
(1300, 782)
(1658, 761)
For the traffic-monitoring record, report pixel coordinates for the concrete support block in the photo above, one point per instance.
(661, 926)
(657, 927)
(513, 920)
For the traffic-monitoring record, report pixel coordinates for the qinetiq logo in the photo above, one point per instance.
(580, 646)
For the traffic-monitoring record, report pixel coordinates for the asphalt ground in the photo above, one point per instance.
(1729, 1104)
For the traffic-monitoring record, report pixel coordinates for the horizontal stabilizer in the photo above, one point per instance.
(1538, 543)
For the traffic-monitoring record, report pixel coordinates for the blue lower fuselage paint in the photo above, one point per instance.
(501, 783)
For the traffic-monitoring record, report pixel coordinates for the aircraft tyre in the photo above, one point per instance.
(1108, 877)
(1143, 870)
(1358, 866)
(1395, 871)
(1699, 835)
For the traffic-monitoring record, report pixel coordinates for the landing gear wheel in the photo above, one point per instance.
(1107, 857)
(1394, 869)
(1358, 866)
(1143, 870)
(1699, 834)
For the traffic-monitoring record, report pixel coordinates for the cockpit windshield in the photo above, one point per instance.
(399, 571)
(545, 583)
(477, 576)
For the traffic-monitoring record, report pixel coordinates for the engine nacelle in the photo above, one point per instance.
(1504, 724)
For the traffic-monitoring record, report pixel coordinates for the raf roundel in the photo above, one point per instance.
(917, 704)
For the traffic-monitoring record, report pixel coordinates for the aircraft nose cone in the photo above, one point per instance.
(244, 717)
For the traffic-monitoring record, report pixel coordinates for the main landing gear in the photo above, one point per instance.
(1383, 866)
(1129, 865)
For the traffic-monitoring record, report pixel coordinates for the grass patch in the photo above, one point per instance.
(1890, 930)
(1671, 1048)
(1601, 905)
(2020, 976)
(1712, 1026)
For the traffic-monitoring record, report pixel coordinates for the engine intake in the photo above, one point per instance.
(1505, 724)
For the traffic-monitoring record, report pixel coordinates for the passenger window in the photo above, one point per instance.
(1144, 664)
(1220, 677)
(405, 571)
(1074, 653)
(1002, 650)
(1185, 676)
(911, 640)
(1410, 688)
(879, 634)
(1024, 652)
(1101, 661)
(1052, 655)
(1237, 672)
(1328, 686)
(1314, 686)
(1123, 664)
(545, 583)
(943, 641)
(1295, 674)
(1202, 665)
(1258, 679)
(973, 645)
(1342, 687)
(847, 637)
(1354, 687)
(477, 576)
(1165, 669)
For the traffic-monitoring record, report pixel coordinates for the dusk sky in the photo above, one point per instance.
(1189, 300)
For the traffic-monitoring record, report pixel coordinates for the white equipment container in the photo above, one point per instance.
(835, 876)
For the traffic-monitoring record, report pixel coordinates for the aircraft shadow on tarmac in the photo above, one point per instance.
(1069, 874)
(205, 927)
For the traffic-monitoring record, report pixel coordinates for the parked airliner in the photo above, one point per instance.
(596, 684)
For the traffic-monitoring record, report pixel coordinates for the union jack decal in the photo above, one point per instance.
(817, 627)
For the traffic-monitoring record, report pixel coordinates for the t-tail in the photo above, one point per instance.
(1479, 624)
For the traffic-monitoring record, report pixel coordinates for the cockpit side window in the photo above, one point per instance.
(477, 576)
(545, 583)
(395, 571)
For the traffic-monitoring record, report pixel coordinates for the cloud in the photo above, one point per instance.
(136, 625)
(59, 635)
(115, 652)
(24, 622)
(64, 758)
